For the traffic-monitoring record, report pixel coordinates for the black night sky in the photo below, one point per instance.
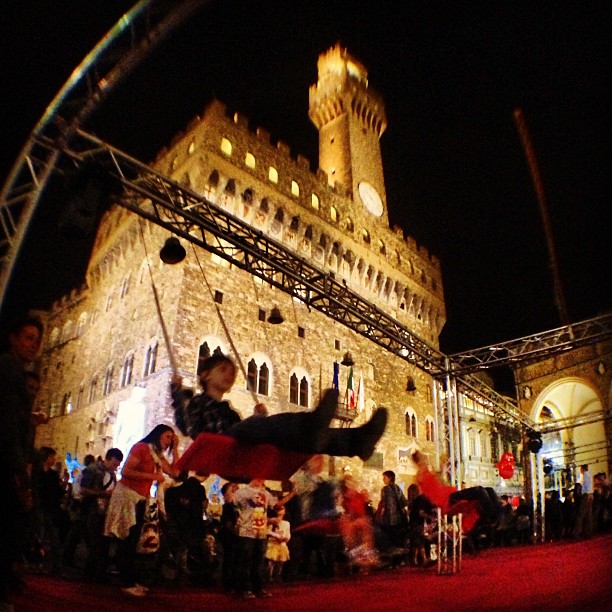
(451, 75)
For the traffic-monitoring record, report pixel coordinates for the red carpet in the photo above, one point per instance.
(561, 577)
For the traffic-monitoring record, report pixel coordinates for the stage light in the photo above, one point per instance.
(535, 441)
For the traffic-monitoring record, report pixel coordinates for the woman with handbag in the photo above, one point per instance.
(391, 514)
(144, 465)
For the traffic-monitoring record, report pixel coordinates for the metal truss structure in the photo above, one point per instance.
(534, 347)
(111, 61)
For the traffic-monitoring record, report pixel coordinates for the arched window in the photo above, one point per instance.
(304, 392)
(295, 189)
(150, 359)
(93, 389)
(252, 376)
(126, 370)
(411, 423)
(79, 402)
(67, 404)
(430, 430)
(365, 235)
(203, 353)
(211, 186)
(82, 324)
(273, 174)
(294, 389)
(314, 201)
(247, 196)
(213, 179)
(208, 348)
(299, 390)
(125, 286)
(249, 160)
(258, 377)
(264, 377)
(108, 380)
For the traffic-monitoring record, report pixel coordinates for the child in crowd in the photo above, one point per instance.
(215, 508)
(277, 551)
(253, 502)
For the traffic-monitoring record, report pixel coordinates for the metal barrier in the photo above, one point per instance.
(450, 543)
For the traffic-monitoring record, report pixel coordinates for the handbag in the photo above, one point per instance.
(148, 541)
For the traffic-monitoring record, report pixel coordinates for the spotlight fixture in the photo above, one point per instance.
(535, 441)
(172, 252)
(347, 360)
(275, 317)
(547, 466)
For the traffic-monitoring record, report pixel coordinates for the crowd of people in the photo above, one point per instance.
(315, 525)
(155, 525)
(584, 510)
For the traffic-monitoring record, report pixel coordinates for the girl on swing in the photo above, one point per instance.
(305, 432)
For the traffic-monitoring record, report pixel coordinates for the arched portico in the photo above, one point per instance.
(570, 401)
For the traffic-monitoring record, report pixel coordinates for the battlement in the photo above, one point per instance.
(219, 120)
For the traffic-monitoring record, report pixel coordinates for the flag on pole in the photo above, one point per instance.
(360, 394)
(335, 383)
(350, 393)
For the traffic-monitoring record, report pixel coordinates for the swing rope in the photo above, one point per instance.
(224, 325)
(158, 304)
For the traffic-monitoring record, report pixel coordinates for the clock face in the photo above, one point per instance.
(371, 199)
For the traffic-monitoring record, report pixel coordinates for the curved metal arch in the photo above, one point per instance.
(116, 55)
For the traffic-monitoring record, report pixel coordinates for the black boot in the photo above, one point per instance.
(320, 418)
(367, 436)
(322, 415)
(359, 441)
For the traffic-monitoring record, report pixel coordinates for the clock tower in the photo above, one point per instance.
(350, 118)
